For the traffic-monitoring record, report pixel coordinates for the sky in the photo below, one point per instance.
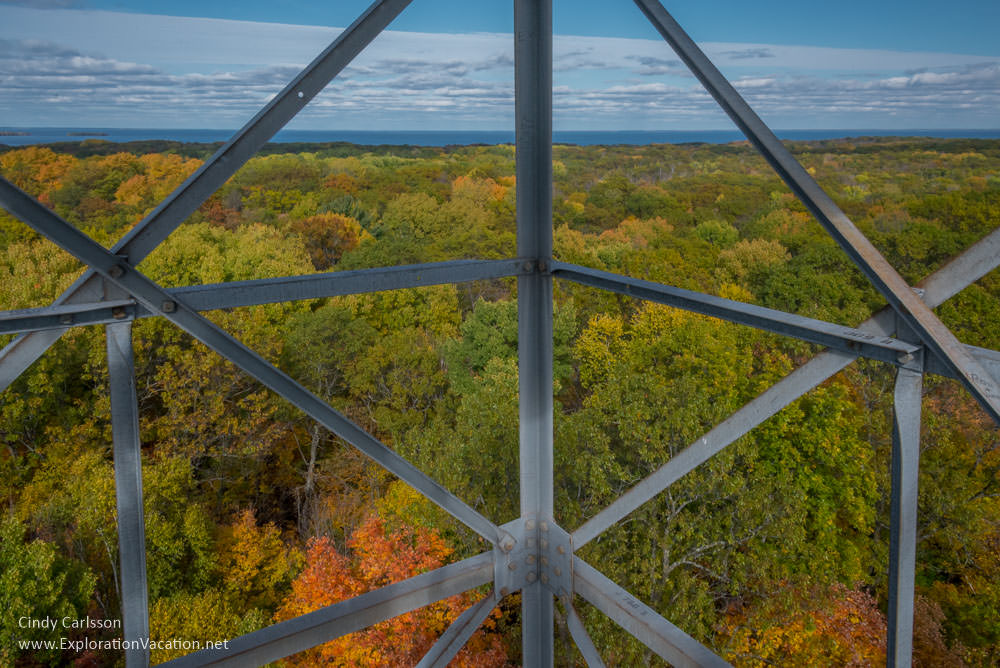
(448, 64)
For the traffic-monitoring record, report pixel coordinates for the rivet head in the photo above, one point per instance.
(561, 550)
(504, 591)
(507, 545)
(545, 561)
(530, 559)
(544, 526)
(544, 543)
(529, 525)
(168, 306)
(531, 542)
(557, 571)
(116, 271)
(118, 313)
(512, 565)
(545, 578)
(531, 576)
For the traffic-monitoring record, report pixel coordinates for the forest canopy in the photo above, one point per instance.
(775, 551)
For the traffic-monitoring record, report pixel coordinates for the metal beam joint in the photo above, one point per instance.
(555, 559)
(509, 554)
(533, 550)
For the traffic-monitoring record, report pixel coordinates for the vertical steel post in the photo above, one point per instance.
(903, 509)
(533, 121)
(128, 490)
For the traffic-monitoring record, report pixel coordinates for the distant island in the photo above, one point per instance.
(11, 133)
(86, 134)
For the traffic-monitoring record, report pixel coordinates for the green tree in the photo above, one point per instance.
(35, 584)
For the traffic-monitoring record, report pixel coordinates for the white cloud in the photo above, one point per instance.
(105, 68)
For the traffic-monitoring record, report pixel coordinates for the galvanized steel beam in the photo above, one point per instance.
(456, 635)
(903, 511)
(128, 493)
(19, 354)
(157, 300)
(645, 624)
(837, 337)
(581, 637)
(961, 271)
(533, 128)
(66, 315)
(931, 331)
(316, 286)
(267, 291)
(333, 284)
(315, 628)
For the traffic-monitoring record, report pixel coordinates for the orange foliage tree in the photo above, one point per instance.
(380, 555)
(833, 627)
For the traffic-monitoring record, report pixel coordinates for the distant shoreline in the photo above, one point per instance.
(23, 136)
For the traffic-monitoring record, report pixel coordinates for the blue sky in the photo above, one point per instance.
(447, 64)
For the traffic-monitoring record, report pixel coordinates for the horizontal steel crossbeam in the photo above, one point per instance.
(266, 291)
(837, 337)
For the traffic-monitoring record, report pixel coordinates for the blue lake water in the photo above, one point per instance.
(459, 137)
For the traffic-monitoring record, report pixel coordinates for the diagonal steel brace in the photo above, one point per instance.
(159, 301)
(20, 353)
(931, 331)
